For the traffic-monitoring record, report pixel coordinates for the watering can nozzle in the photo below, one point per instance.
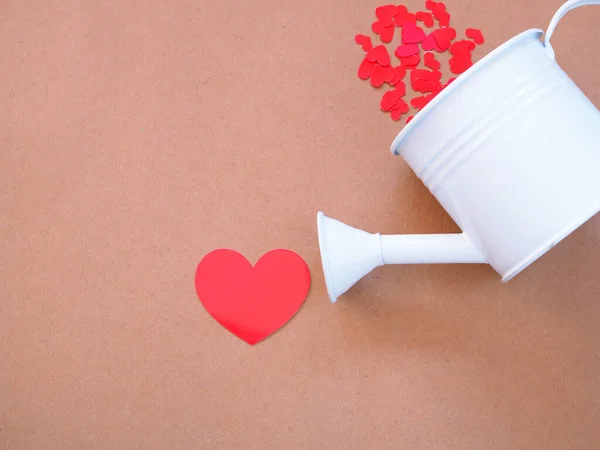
(348, 254)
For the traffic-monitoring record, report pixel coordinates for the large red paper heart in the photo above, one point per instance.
(252, 302)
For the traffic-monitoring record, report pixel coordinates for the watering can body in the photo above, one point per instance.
(511, 150)
(512, 153)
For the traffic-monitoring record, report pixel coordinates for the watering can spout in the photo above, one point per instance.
(348, 254)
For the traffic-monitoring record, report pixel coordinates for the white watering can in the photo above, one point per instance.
(511, 150)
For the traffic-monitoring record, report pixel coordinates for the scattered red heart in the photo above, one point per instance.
(412, 34)
(364, 41)
(389, 99)
(386, 14)
(426, 18)
(386, 33)
(379, 55)
(431, 62)
(381, 74)
(460, 63)
(377, 65)
(444, 37)
(399, 74)
(431, 44)
(403, 17)
(365, 69)
(406, 50)
(402, 108)
(462, 46)
(410, 61)
(476, 35)
(444, 19)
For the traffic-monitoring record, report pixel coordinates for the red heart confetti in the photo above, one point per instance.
(401, 106)
(379, 55)
(437, 9)
(364, 41)
(461, 46)
(421, 102)
(376, 65)
(426, 74)
(397, 114)
(252, 302)
(408, 119)
(461, 64)
(386, 14)
(381, 74)
(412, 34)
(431, 62)
(426, 18)
(365, 69)
(410, 61)
(440, 13)
(444, 37)
(399, 74)
(418, 102)
(476, 35)
(444, 19)
(425, 86)
(401, 20)
(400, 88)
(425, 81)
(430, 5)
(407, 50)
(461, 55)
(386, 34)
(431, 44)
(403, 17)
(389, 99)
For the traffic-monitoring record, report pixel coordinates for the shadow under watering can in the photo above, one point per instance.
(511, 150)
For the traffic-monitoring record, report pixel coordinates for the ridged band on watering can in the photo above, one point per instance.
(511, 150)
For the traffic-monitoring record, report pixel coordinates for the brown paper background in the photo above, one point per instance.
(136, 137)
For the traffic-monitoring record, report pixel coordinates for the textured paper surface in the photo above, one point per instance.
(138, 136)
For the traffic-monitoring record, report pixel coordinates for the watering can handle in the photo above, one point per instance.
(564, 9)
